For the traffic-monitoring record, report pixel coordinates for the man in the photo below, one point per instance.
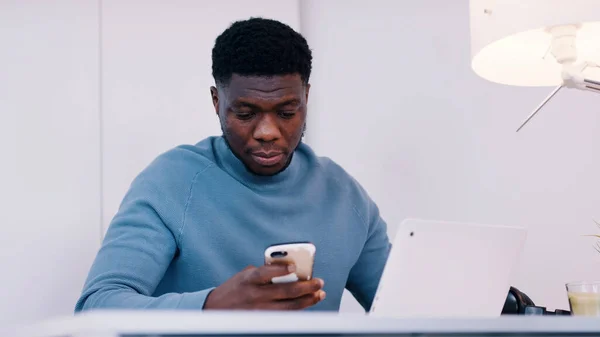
(192, 229)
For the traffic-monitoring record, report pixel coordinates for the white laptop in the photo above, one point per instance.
(448, 269)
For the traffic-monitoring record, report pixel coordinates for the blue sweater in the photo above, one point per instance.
(195, 217)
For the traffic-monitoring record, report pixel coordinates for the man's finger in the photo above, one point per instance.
(288, 291)
(300, 302)
(264, 274)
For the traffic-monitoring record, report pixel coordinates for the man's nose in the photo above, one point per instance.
(267, 129)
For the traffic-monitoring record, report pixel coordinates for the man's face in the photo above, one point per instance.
(263, 119)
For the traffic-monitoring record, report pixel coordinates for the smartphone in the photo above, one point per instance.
(301, 254)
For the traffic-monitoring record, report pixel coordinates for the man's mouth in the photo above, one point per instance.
(267, 158)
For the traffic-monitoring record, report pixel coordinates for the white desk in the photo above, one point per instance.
(178, 323)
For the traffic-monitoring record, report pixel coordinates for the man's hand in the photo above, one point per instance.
(251, 289)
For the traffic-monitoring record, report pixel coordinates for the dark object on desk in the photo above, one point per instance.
(518, 303)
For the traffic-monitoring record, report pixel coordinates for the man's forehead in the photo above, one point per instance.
(282, 85)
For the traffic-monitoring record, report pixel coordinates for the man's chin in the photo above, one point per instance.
(267, 171)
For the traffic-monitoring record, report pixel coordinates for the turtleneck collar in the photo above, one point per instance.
(236, 168)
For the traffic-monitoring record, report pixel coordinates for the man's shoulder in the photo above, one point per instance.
(347, 183)
(333, 171)
(349, 189)
(179, 166)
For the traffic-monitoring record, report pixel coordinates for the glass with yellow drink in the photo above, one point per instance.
(584, 298)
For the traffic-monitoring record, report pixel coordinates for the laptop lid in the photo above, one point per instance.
(448, 269)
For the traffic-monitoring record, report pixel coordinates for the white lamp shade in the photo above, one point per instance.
(510, 44)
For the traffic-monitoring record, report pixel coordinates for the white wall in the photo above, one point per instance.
(394, 101)
(49, 176)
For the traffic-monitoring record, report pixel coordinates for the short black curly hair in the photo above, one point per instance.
(260, 47)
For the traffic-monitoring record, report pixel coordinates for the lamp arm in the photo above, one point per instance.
(572, 76)
(539, 107)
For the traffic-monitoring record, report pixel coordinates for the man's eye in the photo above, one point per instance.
(244, 115)
(287, 114)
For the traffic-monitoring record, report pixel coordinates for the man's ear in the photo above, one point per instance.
(214, 93)
(307, 90)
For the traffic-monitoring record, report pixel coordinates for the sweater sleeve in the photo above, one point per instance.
(364, 276)
(136, 251)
